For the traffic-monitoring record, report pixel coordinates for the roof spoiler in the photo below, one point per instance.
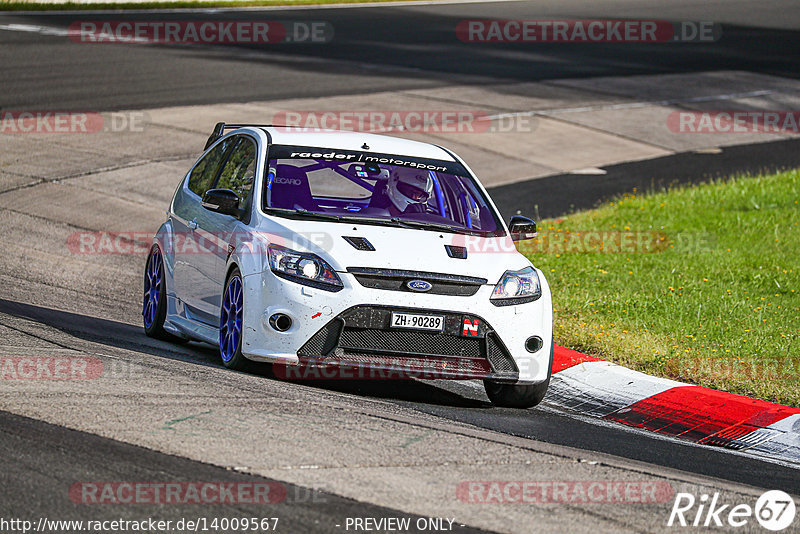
(220, 127)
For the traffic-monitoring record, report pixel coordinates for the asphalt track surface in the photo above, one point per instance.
(554, 196)
(375, 49)
(42, 460)
(385, 48)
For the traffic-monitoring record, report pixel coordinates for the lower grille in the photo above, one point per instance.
(410, 342)
(498, 355)
(361, 336)
(323, 342)
(456, 367)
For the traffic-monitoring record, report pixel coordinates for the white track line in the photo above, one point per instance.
(217, 9)
(32, 28)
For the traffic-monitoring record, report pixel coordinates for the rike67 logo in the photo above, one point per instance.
(774, 510)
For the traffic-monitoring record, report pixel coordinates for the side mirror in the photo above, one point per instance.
(222, 201)
(522, 228)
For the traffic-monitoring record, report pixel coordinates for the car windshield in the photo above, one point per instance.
(376, 189)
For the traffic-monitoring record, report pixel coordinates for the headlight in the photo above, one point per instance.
(303, 268)
(517, 287)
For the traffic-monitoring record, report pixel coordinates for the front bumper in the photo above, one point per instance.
(350, 328)
(361, 337)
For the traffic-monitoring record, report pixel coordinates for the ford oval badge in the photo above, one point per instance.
(419, 285)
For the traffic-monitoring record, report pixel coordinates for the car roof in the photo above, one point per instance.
(336, 139)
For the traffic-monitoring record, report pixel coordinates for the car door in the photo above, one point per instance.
(193, 275)
(237, 175)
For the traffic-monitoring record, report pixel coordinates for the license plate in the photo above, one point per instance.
(418, 321)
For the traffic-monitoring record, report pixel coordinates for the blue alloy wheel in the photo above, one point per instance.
(230, 323)
(153, 281)
(154, 303)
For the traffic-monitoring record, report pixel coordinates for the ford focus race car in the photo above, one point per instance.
(341, 250)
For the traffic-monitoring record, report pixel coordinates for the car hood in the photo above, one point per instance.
(397, 248)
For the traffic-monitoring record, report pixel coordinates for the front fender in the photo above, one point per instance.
(164, 238)
(249, 255)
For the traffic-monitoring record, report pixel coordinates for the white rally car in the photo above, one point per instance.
(349, 250)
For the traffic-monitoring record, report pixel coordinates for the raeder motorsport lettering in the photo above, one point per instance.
(301, 152)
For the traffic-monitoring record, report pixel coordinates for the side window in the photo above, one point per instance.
(239, 171)
(206, 169)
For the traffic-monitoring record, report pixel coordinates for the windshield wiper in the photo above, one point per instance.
(393, 221)
(405, 223)
(304, 213)
(331, 217)
(445, 227)
(432, 226)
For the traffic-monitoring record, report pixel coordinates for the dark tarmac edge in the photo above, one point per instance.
(41, 461)
(555, 196)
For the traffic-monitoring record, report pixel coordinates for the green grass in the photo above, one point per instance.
(711, 295)
(6, 5)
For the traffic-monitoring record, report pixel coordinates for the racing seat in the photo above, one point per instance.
(379, 197)
(379, 201)
(290, 189)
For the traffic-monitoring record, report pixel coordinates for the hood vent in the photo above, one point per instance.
(457, 252)
(359, 243)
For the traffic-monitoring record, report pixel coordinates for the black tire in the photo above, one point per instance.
(238, 362)
(156, 328)
(518, 395)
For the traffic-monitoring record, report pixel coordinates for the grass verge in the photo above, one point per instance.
(699, 284)
(178, 4)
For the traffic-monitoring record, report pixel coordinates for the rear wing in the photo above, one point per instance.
(220, 127)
